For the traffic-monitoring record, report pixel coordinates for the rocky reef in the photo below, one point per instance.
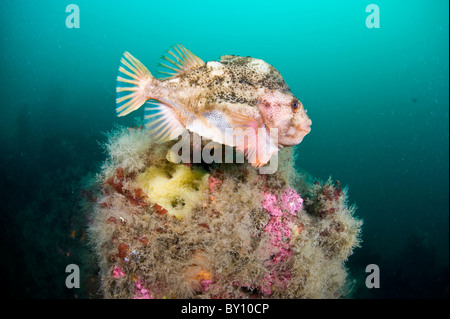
(166, 230)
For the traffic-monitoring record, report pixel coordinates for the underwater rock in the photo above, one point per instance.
(165, 230)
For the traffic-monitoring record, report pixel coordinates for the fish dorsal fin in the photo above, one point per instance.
(235, 59)
(227, 58)
(181, 61)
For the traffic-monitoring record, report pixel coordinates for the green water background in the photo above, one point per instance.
(378, 100)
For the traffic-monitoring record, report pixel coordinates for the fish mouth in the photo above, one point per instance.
(300, 132)
(306, 126)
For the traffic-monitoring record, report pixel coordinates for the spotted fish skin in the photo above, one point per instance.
(209, 98)
(233, 80)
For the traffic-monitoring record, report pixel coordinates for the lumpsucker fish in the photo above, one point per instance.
(220, 100)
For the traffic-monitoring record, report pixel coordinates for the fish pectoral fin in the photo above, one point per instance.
(181, 61)
(131, 85)
(251, 139)
(161, 122)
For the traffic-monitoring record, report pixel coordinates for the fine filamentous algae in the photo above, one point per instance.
(316, 137)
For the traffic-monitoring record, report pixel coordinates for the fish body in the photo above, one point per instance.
(215, 100)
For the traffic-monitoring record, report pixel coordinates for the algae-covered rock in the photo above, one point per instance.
(165, 230)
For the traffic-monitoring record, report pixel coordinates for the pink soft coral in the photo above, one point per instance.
(291, 201)
(205, 283)
(141, 292)
(118, 272)
(282, 212)
(270, 203)
(214, 184)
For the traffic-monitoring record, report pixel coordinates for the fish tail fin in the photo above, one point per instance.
(132, 82)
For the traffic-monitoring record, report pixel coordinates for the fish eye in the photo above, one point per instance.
(295, 104)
